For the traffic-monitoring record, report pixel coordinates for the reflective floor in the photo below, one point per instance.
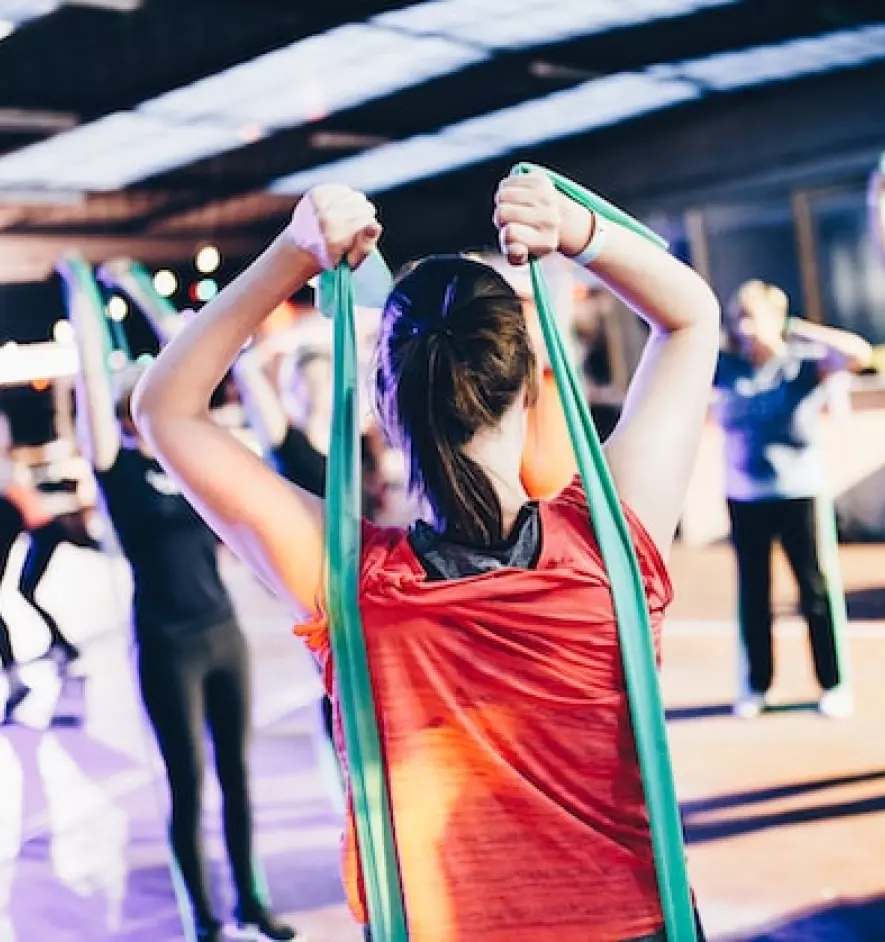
(785, 816)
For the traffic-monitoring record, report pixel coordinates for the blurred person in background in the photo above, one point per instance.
(770, 384)
(23, 509)
(11, 525)
(489, 628)
(294, 426)
(193, 665)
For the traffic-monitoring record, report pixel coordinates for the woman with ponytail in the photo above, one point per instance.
(492, 643)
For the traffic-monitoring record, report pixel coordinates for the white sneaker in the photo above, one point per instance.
(750, 705)
(836, 704)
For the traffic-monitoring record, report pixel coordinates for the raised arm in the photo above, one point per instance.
(97, 428)
(128, 276)
(263, 406)
(843, 350)
(652, 451)
(273, 526)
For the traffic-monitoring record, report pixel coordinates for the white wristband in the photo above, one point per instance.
(594, 248)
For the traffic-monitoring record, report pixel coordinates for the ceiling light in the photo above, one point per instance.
(165, 283)
(117, 308)
(63, 332)
(204, 290)
(208, 259)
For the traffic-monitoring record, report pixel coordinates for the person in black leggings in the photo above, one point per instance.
(43, 541)
(11, 525)
(193, 667)
(770, 382)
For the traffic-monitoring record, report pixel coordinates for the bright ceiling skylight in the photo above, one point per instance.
(513, 24)
(15, 12)
(308, 80)
(590, 106)
(800, 57)
(313, 78)
(107, 154)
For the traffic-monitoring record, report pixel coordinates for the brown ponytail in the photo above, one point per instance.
(454, 353)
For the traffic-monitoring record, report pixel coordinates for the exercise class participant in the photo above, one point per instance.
(22, 510)
(45, 535)
(490, 631)
(770, 383)
(11, 525)
(193, 667)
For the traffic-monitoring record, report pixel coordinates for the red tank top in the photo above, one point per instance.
(515, 788)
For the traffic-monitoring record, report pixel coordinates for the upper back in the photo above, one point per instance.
(487, 688)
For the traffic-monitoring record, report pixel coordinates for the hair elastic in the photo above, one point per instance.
(594, 248)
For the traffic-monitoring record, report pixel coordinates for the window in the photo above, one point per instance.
(850, 267)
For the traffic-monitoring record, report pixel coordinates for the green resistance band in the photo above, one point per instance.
(84, 285)
(114, 331)
(828, 538)
(368, 782)
(141, 288)
(628, 593)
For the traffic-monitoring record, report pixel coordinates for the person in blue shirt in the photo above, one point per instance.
(770, 382)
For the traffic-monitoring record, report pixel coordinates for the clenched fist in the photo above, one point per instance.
(534, 219)
(333, 222)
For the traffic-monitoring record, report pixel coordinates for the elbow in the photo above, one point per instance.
(700, 313)
(147, 406)
(708, 310)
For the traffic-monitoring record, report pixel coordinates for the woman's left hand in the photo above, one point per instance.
(534, 219)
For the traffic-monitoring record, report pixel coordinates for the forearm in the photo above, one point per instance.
(266, 414)
(96, 421)
(846, 350)
(667, 294)
(181, 381)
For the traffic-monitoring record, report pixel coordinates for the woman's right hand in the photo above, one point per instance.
(333, 222)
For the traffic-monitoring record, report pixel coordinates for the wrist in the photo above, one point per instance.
(301, 264)
(796, 327)
(577, 227)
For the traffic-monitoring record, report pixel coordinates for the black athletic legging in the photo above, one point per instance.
(188, 683)
(44, 541)
(10, 526)
(755, 528)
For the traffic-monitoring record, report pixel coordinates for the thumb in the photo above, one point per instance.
(515, 252)
(364, 244)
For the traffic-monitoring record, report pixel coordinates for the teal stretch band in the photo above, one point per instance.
(366, 767)
(828, 538)
(84, 284)
(368, 780)
(628, 594)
